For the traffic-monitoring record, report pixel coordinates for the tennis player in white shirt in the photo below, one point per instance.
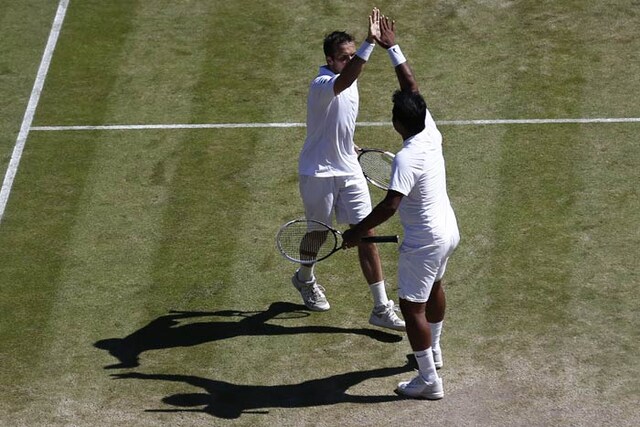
(331, 180)
(418, 190)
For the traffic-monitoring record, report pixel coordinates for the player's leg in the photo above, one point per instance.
(418, 331)
(352, 206)
(317, 198)
(416, 274)
(369, 258)
(427, 384)
(436, 305)
(383, 313)
(435, 310)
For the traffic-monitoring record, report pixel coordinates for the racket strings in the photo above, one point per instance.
(306, 246)
(377, 167)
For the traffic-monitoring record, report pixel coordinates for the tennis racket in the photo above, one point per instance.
(376, 166)
(306, 241)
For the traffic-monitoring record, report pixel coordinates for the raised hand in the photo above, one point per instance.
(387, 37)
(374, 25)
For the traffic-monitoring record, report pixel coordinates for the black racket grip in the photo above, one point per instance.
(380, 239)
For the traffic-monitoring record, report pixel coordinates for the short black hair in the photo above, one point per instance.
(410, 109)
(335, 39)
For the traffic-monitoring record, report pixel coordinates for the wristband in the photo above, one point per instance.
(365, 50)
(396, 56)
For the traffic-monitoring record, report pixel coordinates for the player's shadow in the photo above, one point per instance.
(226, 400)
(168, 332)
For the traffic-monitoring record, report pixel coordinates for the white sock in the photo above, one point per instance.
(305, 273)
(379, 293)
(436, 330)
(426, 366)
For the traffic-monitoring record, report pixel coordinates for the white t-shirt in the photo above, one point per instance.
(418, 172)
(331, 121)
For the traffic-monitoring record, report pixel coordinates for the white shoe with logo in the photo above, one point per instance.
(312, 294)
(420, 389)
(386, 317)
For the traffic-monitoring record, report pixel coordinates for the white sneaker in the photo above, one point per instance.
(386, 317)
(437, 357)
(421, 389)
(312, 294)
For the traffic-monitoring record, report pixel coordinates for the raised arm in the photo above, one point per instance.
(354, 67)
(387, 39)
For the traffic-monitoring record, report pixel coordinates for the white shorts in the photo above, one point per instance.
(420, 268)
(346, 196)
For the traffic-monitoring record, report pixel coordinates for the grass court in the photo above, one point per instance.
(139, 279)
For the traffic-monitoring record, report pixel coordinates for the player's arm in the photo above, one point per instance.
(387, 39)
(349, 74)
(382, 212)
(354, 67)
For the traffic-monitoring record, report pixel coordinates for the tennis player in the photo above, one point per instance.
(331, 180)
(418, 190)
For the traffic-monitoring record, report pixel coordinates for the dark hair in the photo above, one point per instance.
(335, 39)
(410, 109)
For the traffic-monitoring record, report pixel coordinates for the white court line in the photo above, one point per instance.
(363, 124)
(12, 169)
(170, 126)
(541, 121)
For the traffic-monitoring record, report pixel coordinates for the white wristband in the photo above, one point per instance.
(396, 55)
(365, 50)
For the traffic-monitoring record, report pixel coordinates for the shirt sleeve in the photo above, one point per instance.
(402, 178)
(322, 88)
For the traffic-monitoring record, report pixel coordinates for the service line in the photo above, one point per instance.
(479, 122)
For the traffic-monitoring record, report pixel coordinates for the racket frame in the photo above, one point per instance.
(337, 239)
(373, 181)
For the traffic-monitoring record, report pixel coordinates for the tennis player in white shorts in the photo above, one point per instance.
(418, 191)
(331, 180)
(347, 196)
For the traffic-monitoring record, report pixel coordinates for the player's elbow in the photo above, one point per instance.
(385, 210)
(391, 202)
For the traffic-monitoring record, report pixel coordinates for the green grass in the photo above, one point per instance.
(163, 240)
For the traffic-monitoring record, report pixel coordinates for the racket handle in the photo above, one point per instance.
(381, 239)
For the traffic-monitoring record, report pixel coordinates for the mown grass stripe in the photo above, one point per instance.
(119, 228)
(40, 229)
(529, 285)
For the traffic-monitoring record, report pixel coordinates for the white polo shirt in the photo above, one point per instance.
(328, 149)
(418, 172)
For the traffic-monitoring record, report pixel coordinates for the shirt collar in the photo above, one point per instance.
(325, 71)
(412, 138)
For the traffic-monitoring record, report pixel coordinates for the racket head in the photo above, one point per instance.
(307, 241)
(376, 166)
